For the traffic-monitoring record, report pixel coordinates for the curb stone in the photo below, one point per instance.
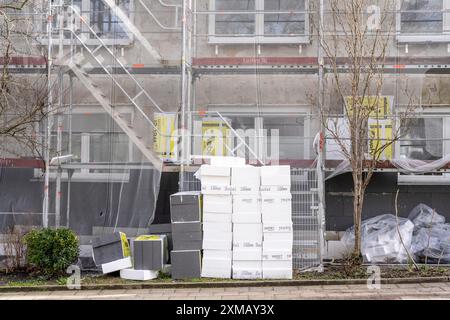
(235, 284)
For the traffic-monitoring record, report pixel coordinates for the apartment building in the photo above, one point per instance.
(127, 73)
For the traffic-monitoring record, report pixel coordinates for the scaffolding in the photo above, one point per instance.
(73, 47)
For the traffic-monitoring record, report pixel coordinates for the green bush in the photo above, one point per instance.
(51, 251)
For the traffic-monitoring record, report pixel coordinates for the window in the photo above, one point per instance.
(258, 21)
(99, 17)
(423, 20)
(95, 139)
(426, 138)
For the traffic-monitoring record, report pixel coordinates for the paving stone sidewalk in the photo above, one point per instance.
(392, 292)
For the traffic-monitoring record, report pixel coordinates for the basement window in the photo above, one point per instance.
(423, 21)
(258, 21)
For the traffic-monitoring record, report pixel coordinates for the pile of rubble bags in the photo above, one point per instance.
(431, 236)
(380, 239)
(147, 256)
(424, 235)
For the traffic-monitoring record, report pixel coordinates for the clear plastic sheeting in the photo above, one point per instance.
(419, 166)
(431, 238)
(380, 242)
(432, 244)
(423, 216)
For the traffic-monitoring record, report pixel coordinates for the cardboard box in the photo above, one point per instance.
(142, 275)
(215, 175)
(216, 264)
(249, 254)
(117, 265)
(217, 241)
(247, 203)
(247, 274)
(186, 207)
(150, 252)
(276, 203)
(246, 217)
(246, 176)
(276, 176)
(217, 217)
(277, 227)
(186, 264)
(109, 248)
(218, 203)
(277, 273)
(218, 227)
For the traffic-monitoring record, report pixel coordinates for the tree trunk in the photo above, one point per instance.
(358, 201)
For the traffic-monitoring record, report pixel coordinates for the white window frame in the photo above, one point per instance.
(84, 175)
(442, 178)
(85, 12)
(227, 111)
(259, 37)
(418, 38)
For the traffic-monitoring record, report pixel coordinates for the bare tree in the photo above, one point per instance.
(23, 98)
(357, 34)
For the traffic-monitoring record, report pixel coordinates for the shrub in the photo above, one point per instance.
(51, 251)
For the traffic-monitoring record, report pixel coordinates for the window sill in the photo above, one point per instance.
(438, 38)
(90, 42)
(259, 40)
(421, 180)
(88, 177)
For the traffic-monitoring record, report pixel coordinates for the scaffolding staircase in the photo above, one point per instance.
(140, 133)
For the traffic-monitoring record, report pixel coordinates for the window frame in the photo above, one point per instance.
(444, 36)
(86, 13)
(259, 37)
(442, 178)
(84, 175)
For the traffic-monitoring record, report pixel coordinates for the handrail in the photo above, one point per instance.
(157, 20)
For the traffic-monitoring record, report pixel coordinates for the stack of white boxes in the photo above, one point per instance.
(247, 225)
(217, 217)
(276, 209)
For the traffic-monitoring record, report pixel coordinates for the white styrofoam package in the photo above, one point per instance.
(142, 275)
(217, 241)
(280, 203)
(277, 273)
(217, 227)
(117, 265)
(277, 226)
(217, 203)
(217, 217)
(247, 254)
(285, 245)
(276, 255)
(246, 217)
(216, 264)
(281, 217)
(207, 171)
(247, 264)
(250, 203)
(247, 231)
(247, 274)
(277, 264)
(246, 176)
(215, 189)
(276, 176)
(277, 189)
(278, 236)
